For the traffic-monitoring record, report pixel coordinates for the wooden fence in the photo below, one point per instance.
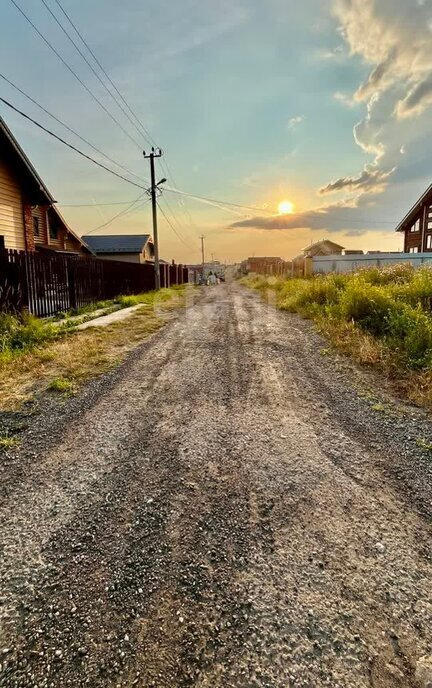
(45, 284)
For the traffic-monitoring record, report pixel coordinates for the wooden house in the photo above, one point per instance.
(302, 264)
(417, 225)
(325, 247)
(29, 219)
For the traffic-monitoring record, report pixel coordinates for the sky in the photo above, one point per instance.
(325, 104)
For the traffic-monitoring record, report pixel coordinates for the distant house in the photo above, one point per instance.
(264, 265)
(301, 264)
(325, 247)
(29, 219)
(130, 248)
(417, 225)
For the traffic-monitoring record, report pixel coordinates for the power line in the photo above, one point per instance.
(124, 212)
(185, 208)
(143, 131)
(185, 239)
(72, 131)
(311, 213)
(79, 34)
(358, 220)
(175, 219)
(69, 145)
(63, 61)
(88, 63)
(92, 205)
(214, 200)
(173, 228)
(177, 191)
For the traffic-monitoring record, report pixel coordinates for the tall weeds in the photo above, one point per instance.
(392, 305)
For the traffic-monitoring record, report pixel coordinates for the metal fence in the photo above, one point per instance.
(47, 284)
(351, 263)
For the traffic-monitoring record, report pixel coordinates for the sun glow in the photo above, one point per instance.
(286, 208)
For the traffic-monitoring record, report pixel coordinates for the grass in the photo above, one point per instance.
(8, 442)
(62, 385)
(380, 317)
(423, 444)
(37, 356)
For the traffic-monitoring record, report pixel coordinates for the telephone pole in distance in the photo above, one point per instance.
(155, 153)
(202, 253)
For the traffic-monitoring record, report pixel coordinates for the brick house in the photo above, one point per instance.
(29, 219)
(417, 225)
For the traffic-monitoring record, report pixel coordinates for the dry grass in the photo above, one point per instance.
(387, 357)
(63, 365)
(415, 386)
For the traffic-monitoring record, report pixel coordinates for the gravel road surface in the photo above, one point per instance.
(231, 508)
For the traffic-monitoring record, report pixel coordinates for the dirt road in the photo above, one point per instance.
(229, 509)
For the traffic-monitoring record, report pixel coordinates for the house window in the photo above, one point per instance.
(53, 231)
(416, 226)
(429, 241)
(2, 243)
(414, 249)
(36, 227)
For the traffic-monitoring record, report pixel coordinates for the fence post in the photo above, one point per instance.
(71, 284)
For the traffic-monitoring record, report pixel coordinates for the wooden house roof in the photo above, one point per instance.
(26, 172)
(409, 217)
(117, 243)
(323, 244)
(11, 149)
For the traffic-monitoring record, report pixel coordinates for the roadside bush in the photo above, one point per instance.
(393, 305)
(309, 296)
(400, 273)
(22, 333)
(418, 291)
(367, 306)
(410, 333)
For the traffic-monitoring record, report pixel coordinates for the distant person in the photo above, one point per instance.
(211, 279)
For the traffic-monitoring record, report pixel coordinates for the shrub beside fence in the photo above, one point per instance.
(47, 284)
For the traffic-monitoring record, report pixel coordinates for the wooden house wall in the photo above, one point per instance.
(11, 209)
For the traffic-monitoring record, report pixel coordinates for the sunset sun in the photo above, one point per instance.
(285, 208)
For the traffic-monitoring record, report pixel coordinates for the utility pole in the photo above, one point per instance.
(202, 253)
(155, 153)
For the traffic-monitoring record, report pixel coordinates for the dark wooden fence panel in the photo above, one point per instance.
(164, 275)
(47, 284)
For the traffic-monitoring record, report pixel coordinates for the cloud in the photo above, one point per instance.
(295, 121)
(337, 53)
(342, 216)
(344, 99)
(372, 180)
(417, 99)
(393, 37)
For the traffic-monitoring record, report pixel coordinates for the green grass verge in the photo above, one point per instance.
(379, 316)
(20, 334)
(392, 305)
